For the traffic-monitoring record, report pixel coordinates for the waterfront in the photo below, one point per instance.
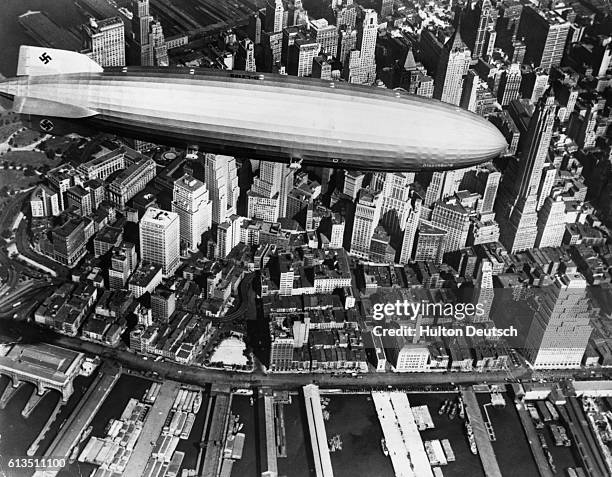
(12, 35)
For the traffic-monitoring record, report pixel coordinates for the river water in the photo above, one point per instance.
(12, 34)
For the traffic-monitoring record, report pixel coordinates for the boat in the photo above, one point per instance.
(448, 450)
(197, 403)
(553, 412)
(543, 411)
(461, 408)
(571, 472)
(74, 454)
(443, 407)
(471, 438)
(453, 411)
(383, 445)
(543, 442)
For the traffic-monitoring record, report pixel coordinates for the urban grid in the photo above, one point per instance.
(306, 238)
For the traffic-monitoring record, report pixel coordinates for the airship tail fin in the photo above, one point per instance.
(44, 107)
(38, 61)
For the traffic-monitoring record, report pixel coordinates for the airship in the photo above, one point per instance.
(252, 115)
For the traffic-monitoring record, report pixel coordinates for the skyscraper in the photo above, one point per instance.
(367, 215)
(301, 55)
(160, 239)
(245, 57)
(560, 329)
(267, 199)
(551, 223)
(486, 24)
(453, 66)
(106, 41)
(545, 33)
(410, 228)
(518, 216)
(366, 44)
(221, 178)
(191, 203)
(483, 290)
(276, 16)
(451, 216)
(395, 189)
(141, 26)
(443, 184)
(326, 35)
(510, 84)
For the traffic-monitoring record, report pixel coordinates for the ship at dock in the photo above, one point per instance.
(471, 439)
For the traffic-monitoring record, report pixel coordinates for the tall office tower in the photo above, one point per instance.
(347, 41)
(367, 215)
(551, 223)
(443, 184)
(337, 231)
(163, 304)
(385, 8)
(410, 228)
(346, 15)
(267, 199)
(487, 17)
(255, 27)
(221, 178)
(228, 235)
(326, 35)
(158, 45)
(289, 36)
(483, 290)
(106, 41)
(484, 180)
(301, 55)
(549, 176)
(545, 33)
(395, 192)
(518, 216)
(453, 66)
(321, 68)
(469, 94)
(451, 216)
(352, 182)
(141, 26)
(560, 329)
(534, 149)
(508, 23)
(567, 95)
(298, 14)
(430, 242)
(538, 86)
(510, 84)
(245, 56)
(192, 204)
(123, 262)
(276, 16)
(586, 122)
(160, 232)
(366, 44)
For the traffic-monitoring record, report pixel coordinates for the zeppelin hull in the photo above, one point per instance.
(276, 118)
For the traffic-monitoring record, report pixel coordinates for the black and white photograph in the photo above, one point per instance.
(305, 238)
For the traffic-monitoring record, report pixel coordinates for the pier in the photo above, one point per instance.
(84, 412)
(34, 400)
(316, 430)
(9, 391)
(152, 427)
(213, 436)
(481, 434)
(534, 441)
(402, 436)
